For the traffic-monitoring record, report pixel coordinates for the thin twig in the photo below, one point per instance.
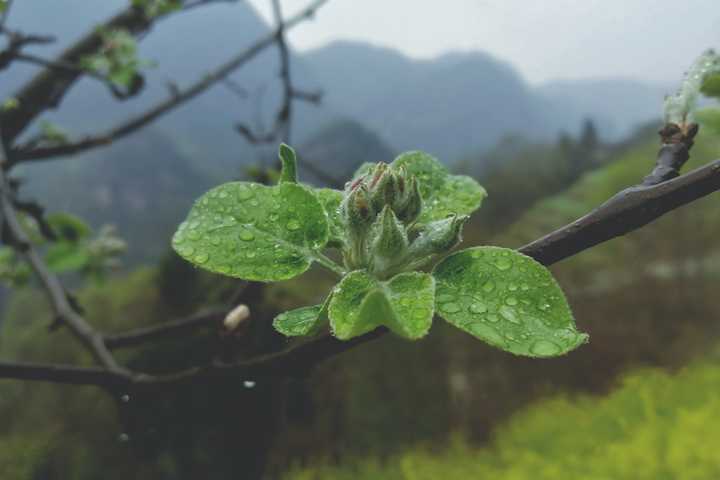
(181, 96)
(208, 318)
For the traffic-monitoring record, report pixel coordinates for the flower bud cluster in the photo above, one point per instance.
(380, 210)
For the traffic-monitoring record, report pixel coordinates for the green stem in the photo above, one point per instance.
(329, 264)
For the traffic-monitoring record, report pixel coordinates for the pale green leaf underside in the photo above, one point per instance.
(330, 200)
(301, 321)
(442, 193)
(252, 231)
(361, 303)
(507, 300)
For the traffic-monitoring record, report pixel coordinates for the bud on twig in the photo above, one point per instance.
(439, 237)
(390, 243)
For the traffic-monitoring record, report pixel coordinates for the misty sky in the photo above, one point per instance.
(650, 40)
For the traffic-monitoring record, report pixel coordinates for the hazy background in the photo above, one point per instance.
(553, 106)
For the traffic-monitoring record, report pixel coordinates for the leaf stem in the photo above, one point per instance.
(329, 264)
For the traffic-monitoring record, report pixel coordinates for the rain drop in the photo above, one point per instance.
(450, 307)
(293, 225)
(478, 307)
(125, 398)
(123, 437)
(545, 348)
(247, 236)
(249, 384)
(512, 301)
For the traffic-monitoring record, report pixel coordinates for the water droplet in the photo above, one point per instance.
(543, 305)
(503, 263)
(202, 257)
(509, 314)
(450, 307)
(489, 286)
(293, 225)
(512, 287)
(244, 194)
(123, 437)
(249, 384)
(511, 301)
(478, 307)
(493, 318)
(247, 236)
(487, 333)
(545, 348)
(125, 398)
(444, 297)
(223, 194)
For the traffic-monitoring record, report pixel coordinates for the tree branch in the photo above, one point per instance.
(66, 374)
(15, 235)
(135, 123)
(209, 318)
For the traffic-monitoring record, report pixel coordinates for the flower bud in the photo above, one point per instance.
(390, 240)
(410, 205)
(358, 211)
(439, 237)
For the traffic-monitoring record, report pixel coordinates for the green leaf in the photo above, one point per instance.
(411, 297)
(68, 227)
(252, 231)
(711, 86)
(506, 299)
(442, 193)
(288, 159)
(353, 311)
(360, 303)
(330, 200)
(710, 118)
(66, 257)
(302, 321)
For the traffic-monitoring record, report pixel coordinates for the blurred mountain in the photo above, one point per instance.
(331, 156)
(616, 105)
(144, 188)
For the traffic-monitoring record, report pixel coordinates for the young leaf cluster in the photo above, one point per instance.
(117, 60)
(391, 222)
(73, 250)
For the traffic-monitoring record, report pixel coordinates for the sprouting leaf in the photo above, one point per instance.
(9, 104)
(443, 194)
(252, 231)
(53, 134)
(330, 200)
(288, 160)
(711, 86)
(65, 257)
(710, 118)
(360, 303)
(353, 311)
(68, 227)
(506, 299)
(411, 297)
(302, 321)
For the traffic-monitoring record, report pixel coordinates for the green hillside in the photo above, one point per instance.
(655, 426)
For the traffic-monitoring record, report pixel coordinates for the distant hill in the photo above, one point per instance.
(145, 187)
(338, 149)
(616, 105)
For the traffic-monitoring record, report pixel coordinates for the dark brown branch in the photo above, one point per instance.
(66, 374)
(46, 90)
(135, 123)
(210, 318)
(64, 311)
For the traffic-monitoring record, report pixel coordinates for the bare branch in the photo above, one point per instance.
(54, 290)
(208, 318)
(46, 90)
(135, 123)
(282, 125)
(66, 374)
